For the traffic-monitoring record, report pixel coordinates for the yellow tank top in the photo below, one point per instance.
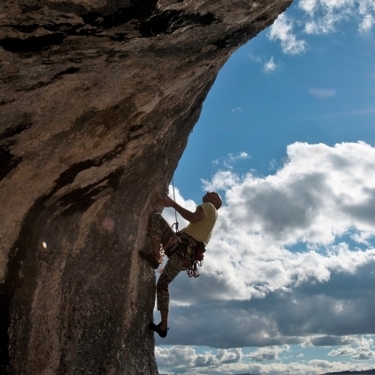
(202, 230)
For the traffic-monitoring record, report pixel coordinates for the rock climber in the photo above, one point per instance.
(182, 249)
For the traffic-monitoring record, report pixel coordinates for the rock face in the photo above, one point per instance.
(97, 100)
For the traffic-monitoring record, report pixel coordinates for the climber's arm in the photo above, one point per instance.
(191, 217)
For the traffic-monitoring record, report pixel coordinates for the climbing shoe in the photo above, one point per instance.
(156, 328)
(150, 259)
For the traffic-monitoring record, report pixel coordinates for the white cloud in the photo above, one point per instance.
(320, 17)
(325, 15)
(318, 195)
(361, 350)
(243, 155)
(270, 65)
(322, 93)
(175, 356)
(221, 181)
(282, 30)
(184, 358)
(367, 23)
(269, 353)
(344, 350)
(189, 360)
(230, 160)
(240, 155)
(170, 214)
(308, 6)
(278, 268)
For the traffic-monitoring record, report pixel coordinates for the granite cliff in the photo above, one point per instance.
(97, 101)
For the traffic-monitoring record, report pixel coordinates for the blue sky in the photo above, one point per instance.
(287, 136)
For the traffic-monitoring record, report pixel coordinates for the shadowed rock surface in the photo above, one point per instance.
(97, 101)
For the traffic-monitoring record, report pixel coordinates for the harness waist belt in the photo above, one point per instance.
(191, 240)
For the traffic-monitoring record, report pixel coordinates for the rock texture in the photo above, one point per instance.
(97, 100)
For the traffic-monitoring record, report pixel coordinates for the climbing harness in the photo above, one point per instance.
(190, 250)
(193, 254)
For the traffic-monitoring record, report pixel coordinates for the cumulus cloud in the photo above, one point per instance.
(269, 353)
(291, 262)
(316, 17)
(282, 30)
(330, 15)
(325, 15)
(364, 355)
(321, 193)
(347, 350)
(182, 359)
(188, 360)
(283, 237)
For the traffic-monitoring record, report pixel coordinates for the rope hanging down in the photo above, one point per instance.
(175, 212)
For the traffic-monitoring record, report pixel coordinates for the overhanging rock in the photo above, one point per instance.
(97, 100)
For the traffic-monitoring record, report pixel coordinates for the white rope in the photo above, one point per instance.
(175, 212)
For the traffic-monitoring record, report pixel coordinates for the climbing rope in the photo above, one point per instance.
(175, 212)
